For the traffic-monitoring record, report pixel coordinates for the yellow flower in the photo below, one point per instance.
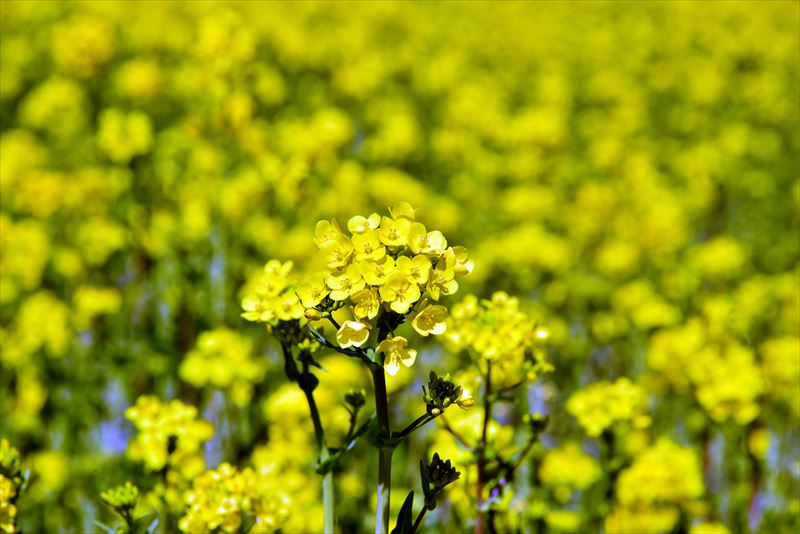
(442, 281)
(402, 210)
(457, 258)
(274, 279)
(337, 251)
(397, 352)
(393, 233)
(288, 307)
(360, 224)
(375, 273)
(400, 291)
(430, 320)
(367, 304)
(313, 290)
(257, 309)
(352, 334)
(417, 269)
(326, 233)
(368, 246)
(420, 241)
(346, 284)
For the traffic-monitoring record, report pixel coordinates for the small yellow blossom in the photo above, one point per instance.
(288, 307)
(442, 281)
(432, 319)
(366, 303)
(352, 334)
(393, 233)
(375, 273)
(338, 251)
(346, 284)
(313, 290)
(400, 291)
(360, 224)
(396, 351)
(257, 309)
(417, 269)
(402, 210)
(326, 233)
(368, 247)
(420, 241)
(457, 258)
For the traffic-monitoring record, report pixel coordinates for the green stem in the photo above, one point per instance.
(384, 451)
(418, 423)
(327, 479)
(418, 521)
(329, 521)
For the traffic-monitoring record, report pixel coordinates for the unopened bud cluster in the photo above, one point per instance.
(435, 476)
(355, 398)
(442, 393)
(537, 422)
(122, 499)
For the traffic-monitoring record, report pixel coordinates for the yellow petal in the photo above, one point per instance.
(392, 365)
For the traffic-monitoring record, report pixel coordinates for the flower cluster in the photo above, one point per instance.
(651, 492)
(225, 499)
(12, 481)
(497, 330)
(601, 405)
(274, 295)
(223, 359)
(381, 267)
(8, 510)
(722, 373)
(169, 434)
(567, 468)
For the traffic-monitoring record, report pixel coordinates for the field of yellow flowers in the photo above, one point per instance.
(274, 266)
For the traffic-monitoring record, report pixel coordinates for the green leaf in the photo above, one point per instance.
(404, 520)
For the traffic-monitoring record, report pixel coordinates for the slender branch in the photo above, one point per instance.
(508, 389)
(352, 427)
(418, 422)
(319, 433)
(418, 521)
(312, 407)
(522, 454)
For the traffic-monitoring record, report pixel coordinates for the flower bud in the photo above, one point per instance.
(312, 315)
(355, 398)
